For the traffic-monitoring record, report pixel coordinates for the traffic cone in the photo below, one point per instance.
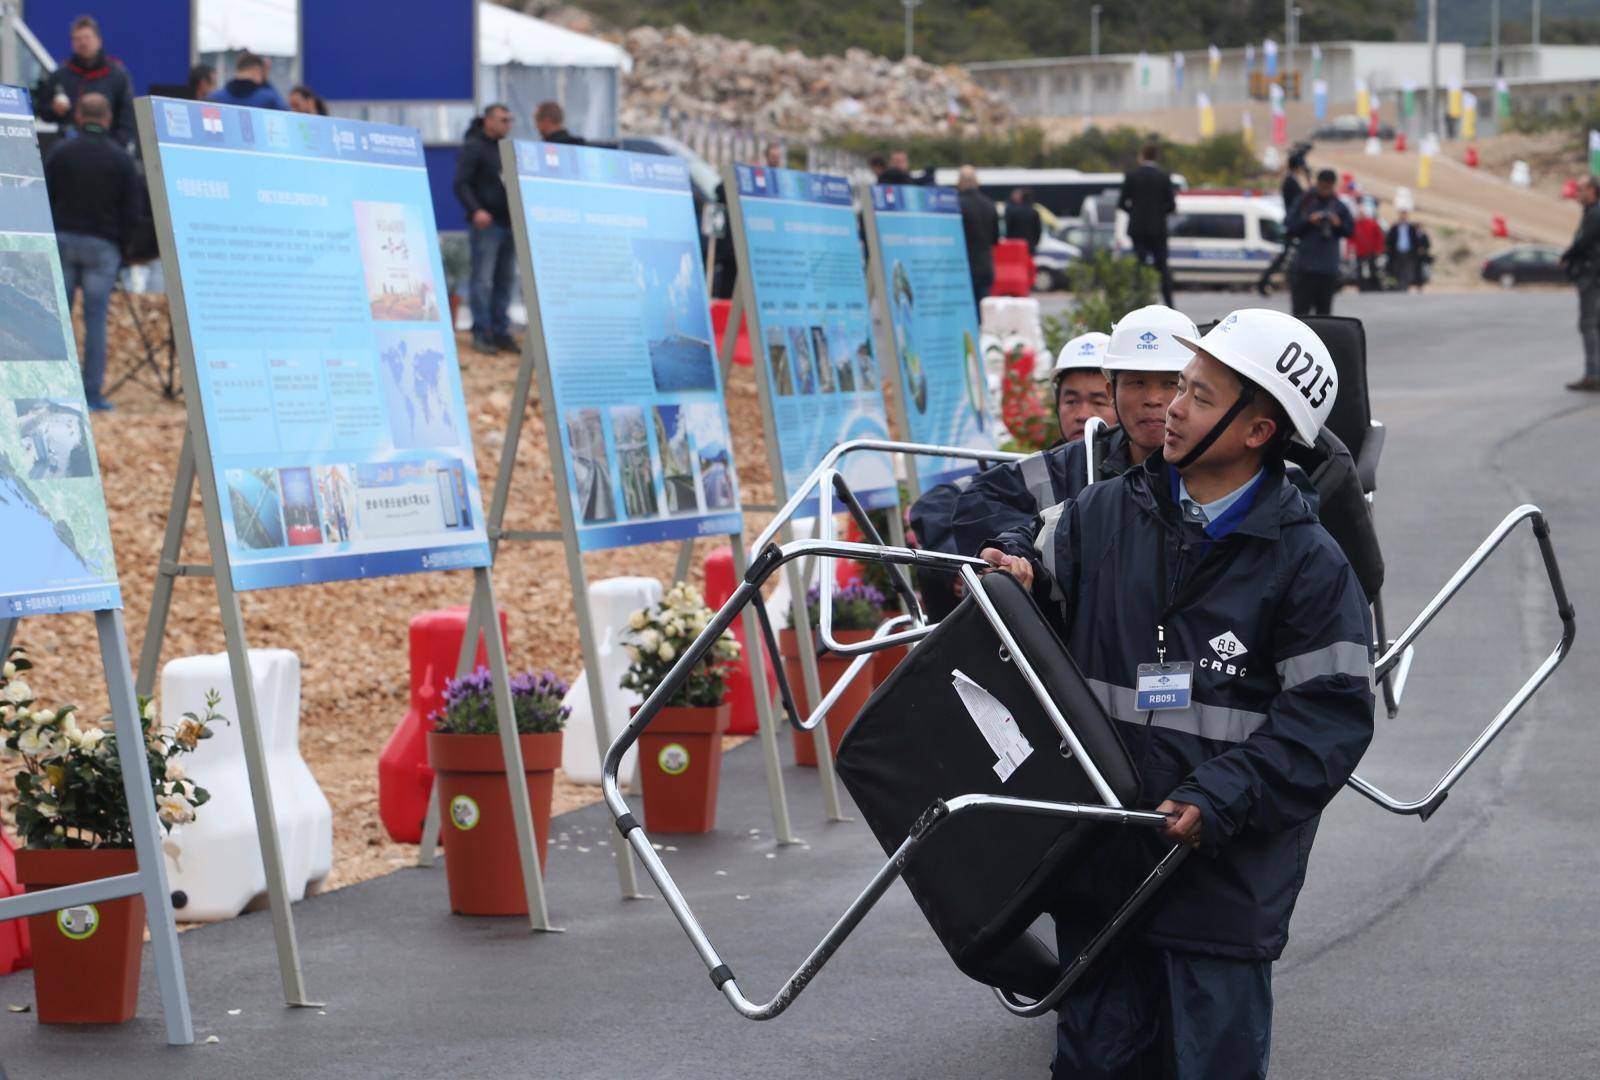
(1471, 157)
(1400, 142)
(1497, 227)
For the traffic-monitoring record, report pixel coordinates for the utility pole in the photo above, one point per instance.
(910, 6)
(1536, 23)
(1433, 67)
(1494, 39)
(1094, 30)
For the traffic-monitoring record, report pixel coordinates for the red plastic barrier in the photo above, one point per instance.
(404, 777)
(1470, 158)
(1569, 190)
(741, 696)
(1013, 269)
(1497, 227)
(719, 325)
(1400, 141)
(16, 952)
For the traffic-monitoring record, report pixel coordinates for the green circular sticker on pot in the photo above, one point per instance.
(464, 812)
(78, 923)
(673, 759)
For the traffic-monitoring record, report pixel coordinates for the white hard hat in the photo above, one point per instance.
(1086, 352)
(1284, 357)
(1147, 340)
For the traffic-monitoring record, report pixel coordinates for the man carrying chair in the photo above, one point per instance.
(1227, 635)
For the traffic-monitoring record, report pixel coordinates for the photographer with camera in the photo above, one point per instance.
(1319, 223)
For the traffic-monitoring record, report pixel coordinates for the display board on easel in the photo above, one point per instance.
(917, 257)
(58, 538)
(619, 338)
(803, 293)
(327, 426)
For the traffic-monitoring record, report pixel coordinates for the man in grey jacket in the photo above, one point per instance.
(1582, 263)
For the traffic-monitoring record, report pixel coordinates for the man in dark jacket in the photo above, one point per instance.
(88, 70)
(249, 86)
(981, 226)
(482, 193)
(551, 122)
(1206, 567)
(1022, 219)
(1318, 224)
(1581, 261)
(1406, 247)
(95, 200)
(1293, 186)
(1147, 198)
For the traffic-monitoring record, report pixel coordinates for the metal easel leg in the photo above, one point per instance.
(427, 850)
(766, 722)
(155, 627)
(511, 750)
(813, 684)
(146, 830)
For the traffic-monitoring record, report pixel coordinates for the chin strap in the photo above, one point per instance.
(1247, 394)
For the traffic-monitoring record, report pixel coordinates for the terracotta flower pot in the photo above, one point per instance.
(884, 663)
(480, 840)
(85, 958)
(830, 669)
(680, 767)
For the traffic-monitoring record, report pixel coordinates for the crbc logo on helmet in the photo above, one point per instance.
(1147, 340)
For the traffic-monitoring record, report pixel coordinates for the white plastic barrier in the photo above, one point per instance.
(610, 602)
(215, 861)
(1521, 175)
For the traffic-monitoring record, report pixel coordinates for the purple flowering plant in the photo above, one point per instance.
(535, 700)
(857, 606)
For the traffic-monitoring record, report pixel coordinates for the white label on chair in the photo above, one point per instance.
(995, 723)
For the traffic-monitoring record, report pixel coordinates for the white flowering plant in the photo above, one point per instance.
(69, 792)
(658, 635)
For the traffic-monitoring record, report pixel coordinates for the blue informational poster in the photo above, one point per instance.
(621, 297)
(812, 328)
(926, 283)
(52, 508)
(326, 362)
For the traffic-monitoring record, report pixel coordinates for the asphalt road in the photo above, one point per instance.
(1464, 947)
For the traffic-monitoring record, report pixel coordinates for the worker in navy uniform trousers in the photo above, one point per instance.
(1142, 362)
(1204, 571)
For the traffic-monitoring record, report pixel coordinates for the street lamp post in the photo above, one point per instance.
(1094, 30)
(1433, 67)
(910, 6)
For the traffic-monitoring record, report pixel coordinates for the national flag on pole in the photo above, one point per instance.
(1452, 107)
(1214, 60)
(1250, 57)
(1316, 61)
(1269, 53)
(1374, 103)
(1144, 69)
(1247, 128)
(1363, 99)
(1469, 115)
(1594, 152)
(1280, 123)
(1178, 64)
(1408, 98)
(1208, 116)
(1319, 98)
(1502, 99)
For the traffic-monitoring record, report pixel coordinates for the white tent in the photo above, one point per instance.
(521, 62)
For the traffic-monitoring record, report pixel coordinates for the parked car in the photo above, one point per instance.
(1063, 245)
(1219, 239)
(1525, 264)
(1349, 126)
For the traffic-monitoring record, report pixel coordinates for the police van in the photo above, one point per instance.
(1219, 239)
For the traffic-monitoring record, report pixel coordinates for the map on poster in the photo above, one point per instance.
(52, 506)
(622, 300)
(924, 276)
(803, 254)
(328, 376)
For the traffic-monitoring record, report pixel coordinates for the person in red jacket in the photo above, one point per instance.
(1369, 241)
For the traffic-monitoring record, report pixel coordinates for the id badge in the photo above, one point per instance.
(1164, 686)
